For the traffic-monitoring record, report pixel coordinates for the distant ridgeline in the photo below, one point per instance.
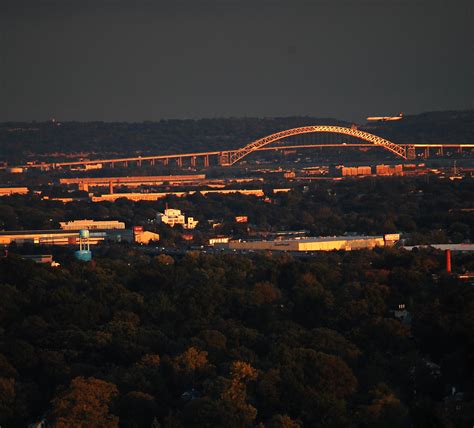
(22, 140)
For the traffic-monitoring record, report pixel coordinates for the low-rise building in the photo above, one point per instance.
(62, 237)
(141, 236)
(219, 240)
(389, 170)
(356, 170)
(91, 225)
(7, 191)
(41, 259)
(156, 196)
(336, 243)
(44, 237)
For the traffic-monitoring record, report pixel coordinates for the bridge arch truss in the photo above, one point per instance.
(232, 157)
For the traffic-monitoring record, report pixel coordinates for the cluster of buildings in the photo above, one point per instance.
(368, 170)
(70, 233)
(97, 231)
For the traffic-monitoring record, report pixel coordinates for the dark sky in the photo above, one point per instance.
(149, 60)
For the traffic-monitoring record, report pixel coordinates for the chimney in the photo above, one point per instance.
(448, 261)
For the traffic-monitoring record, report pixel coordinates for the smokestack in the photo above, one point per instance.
(448, 261)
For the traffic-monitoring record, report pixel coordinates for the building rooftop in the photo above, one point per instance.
(322, 238)
(55, 232)
(331, 238)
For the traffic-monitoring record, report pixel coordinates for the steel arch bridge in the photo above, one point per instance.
(231, 157)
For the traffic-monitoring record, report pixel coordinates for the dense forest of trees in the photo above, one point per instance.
(231, 341)
(21, 141)
(425, 209)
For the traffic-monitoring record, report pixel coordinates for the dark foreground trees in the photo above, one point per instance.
(233, 341)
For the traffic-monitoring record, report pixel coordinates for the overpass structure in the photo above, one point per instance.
(231, 157)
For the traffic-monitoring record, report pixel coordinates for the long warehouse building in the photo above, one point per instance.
(336, 243)
(71, 237)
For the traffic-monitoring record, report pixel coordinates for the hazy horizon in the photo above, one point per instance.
(119, 61)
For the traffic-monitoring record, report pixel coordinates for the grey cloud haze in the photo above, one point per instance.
(133, 61)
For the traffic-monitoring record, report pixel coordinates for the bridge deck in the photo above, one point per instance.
(181, 156)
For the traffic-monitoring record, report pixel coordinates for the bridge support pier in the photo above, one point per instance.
(111, 188)
(427, 152)
(410, 151)
(193, 161)
(224, 159)
(206, 160)
(166, 162)
(179, 162)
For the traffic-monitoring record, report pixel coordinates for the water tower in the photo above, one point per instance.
(84, 254)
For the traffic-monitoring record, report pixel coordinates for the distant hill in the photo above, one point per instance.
(20, 141)
(433, 127)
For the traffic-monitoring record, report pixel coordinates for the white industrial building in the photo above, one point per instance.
(336, 243)
(91, 225)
